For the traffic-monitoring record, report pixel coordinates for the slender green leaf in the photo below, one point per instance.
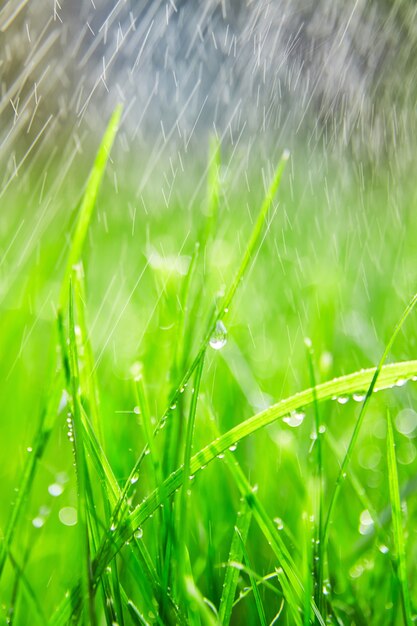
(89, 200)
(397, 525)
(231, 576)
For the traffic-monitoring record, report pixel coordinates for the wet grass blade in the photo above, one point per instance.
(231, 576)
(89, 200)
(80, 467)
(397, 525)
(318, 556)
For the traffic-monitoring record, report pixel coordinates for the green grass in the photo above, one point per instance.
(167, 482)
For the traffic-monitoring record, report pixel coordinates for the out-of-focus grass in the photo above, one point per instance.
(336, 264)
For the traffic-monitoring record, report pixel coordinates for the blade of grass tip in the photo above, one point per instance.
(318, 556)
(89, 200)
(344, 385)
(80, 465)
(397, 524)
(254, 237)
(345, 463)
(257, 596)
(217, 316)
(231, 576)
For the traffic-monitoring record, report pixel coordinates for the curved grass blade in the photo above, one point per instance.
(397, 525)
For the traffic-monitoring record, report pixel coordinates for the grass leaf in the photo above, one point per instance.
(89, 200)
(397, 525)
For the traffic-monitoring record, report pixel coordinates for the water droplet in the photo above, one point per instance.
(136, 371)
(220, 456)
(401, 382)
(191, 477)
(136, 410)
(55, 489)
(113, 528)
(139, 533)
(134, 479)
(173, 406)
(29, 449)
(278, 521)
(308, 343)
(233, 447)
(219, 338)
(359, 397)
(342, 399)
(326, 588)
(295, 419)
(383, 548)
(68, 516)
(38, 521)
(366, 523)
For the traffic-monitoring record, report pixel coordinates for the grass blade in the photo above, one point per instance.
(318, 556)
(80, 465)
(397, 525)
(89, 200)
(231, 576)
